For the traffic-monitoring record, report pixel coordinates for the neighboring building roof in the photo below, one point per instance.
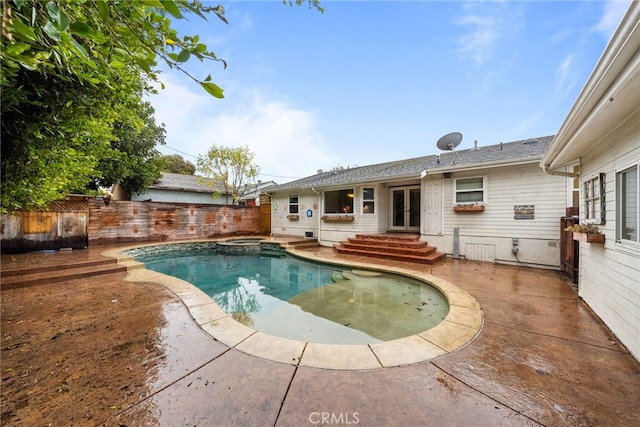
(609, 98)
(251, 191)
(523, 151)
(191, 183)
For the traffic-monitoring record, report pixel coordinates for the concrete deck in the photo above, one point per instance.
(541, 358)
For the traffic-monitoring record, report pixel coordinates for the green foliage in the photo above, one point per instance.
(133, 161)
(233, 168)
(174, 163)
(92, 40)
(52, 145)
(73, 74)
(73, 77)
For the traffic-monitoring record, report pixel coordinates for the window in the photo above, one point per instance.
(594, 211)
(293, 204)
(574, 187)
(338, 202)
(470, 190)
(628, 194)
(368, 203)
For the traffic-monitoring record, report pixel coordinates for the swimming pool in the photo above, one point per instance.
(285, 296)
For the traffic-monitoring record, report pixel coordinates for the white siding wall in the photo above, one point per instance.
(364, 223)
(609, 274)
(281, 225)
(328, 233)
(487, 236)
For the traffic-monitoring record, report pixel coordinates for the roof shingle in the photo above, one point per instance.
(533, 148)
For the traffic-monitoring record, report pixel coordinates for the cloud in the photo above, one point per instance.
(284, 139)
(613, 12)
(485, 27)
(566, 78)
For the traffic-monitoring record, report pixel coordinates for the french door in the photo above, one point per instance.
(405, 209)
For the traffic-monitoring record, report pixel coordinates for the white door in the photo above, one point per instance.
(433, 206)
(405, 209)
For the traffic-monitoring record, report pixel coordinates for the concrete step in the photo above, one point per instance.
(39, 275)
(301, 244)
(418, 250)
(23, 280)
(430, 258)
(400, 247)
(46, 267)
(390, 237)
(395, 243)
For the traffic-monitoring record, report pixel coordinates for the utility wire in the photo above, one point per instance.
(263, 174)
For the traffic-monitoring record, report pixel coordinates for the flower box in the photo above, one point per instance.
(588, 237)
(337, 218)
(472, 208)
(293, 217)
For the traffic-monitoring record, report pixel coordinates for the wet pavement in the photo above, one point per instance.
(109, 351)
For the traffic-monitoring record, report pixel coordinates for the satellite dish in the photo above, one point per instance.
(450, 141)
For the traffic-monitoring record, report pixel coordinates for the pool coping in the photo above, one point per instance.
(461, 326)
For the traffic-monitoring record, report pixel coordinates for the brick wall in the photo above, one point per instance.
(131, 221)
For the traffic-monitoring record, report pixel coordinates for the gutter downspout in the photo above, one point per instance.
(318, 214)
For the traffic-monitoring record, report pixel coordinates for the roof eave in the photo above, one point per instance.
(609, 82)
(484, 165)
(392, 178)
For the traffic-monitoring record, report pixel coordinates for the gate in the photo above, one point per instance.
(265, 218)
(569, 249)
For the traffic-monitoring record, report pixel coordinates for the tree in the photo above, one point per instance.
(73, 74)
(92, 40)
(232, 168)
(133, 161)
(73, 77)
(174, 163)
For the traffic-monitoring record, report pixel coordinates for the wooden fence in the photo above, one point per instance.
(94, 223)
(63, 225)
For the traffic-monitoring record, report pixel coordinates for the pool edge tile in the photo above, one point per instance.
(339, 356)
(450, 336)
(228, 331)
(471, 317)
(273, 348)
(405, 351)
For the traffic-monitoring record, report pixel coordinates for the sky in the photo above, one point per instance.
(368, 82)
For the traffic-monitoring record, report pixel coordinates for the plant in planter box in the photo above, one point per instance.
(588, 233)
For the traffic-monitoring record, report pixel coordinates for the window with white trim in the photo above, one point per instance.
(594, 192)
(628, 193)
(470, 190)
(368, 200)
(293, 204)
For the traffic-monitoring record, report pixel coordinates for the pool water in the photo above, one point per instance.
(301, 300)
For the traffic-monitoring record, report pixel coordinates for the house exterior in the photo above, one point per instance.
(254, 194)
(602, 135)
(490, 203)
(178, 188)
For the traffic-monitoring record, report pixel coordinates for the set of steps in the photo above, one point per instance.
(398, 247)
(46, 274)
(301, 244)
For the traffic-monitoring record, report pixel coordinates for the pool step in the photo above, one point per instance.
(45, 274)
(301, 244)
(398, 247)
